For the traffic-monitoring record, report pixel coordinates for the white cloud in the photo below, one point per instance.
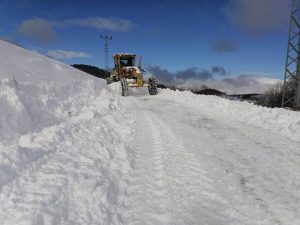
(225, 45)
(112, 24)
(258, 15)
(217, 78)
(37, 30)
(248, 86)
(23, 3)
(43, 31)
(62, 54)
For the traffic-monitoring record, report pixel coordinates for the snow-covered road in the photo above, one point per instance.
(191, 169)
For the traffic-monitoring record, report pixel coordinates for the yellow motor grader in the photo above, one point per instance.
(129, 74)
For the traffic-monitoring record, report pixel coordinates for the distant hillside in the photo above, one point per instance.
(93, 70)
(246, 96)
(209, 91)
(162, 86)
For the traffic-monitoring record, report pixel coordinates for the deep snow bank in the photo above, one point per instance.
(28, 66)
(63, 154)
(39, 95)
(37, 92)
(282, 121)
(72, 172)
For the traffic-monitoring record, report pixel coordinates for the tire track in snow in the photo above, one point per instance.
(147, 190)
(194, 196)
(168, 184)
(186, 179)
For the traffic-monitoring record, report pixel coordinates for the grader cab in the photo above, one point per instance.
(130, 75)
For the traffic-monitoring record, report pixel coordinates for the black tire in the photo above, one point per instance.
(109, 80)
(115, 79)
(124, 86)
(152, 86)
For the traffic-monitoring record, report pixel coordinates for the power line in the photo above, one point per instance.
(291, 88)
(106, 48)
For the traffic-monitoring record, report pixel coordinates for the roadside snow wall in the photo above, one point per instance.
(37, 92)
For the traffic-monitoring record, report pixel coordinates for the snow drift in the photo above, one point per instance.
(56, 142)
(37, 92)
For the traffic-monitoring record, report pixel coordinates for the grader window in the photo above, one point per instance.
(127, 62)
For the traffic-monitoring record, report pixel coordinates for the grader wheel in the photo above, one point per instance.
(152, 86)
(124, 86)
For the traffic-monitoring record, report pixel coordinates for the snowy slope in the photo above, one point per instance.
(36, 92)
(28, 66)
(73, 151)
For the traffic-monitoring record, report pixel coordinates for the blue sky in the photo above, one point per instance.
(242, 36)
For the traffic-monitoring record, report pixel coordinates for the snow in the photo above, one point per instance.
(73, 151)
(281, 121)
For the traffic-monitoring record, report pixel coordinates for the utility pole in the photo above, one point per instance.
(106, 48)
(291, 88)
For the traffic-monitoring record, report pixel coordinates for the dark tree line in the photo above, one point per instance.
(92, 70)
(209, 91)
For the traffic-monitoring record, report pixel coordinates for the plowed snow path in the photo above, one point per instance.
(190, 169)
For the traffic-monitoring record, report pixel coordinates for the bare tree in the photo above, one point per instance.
(274, 94)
